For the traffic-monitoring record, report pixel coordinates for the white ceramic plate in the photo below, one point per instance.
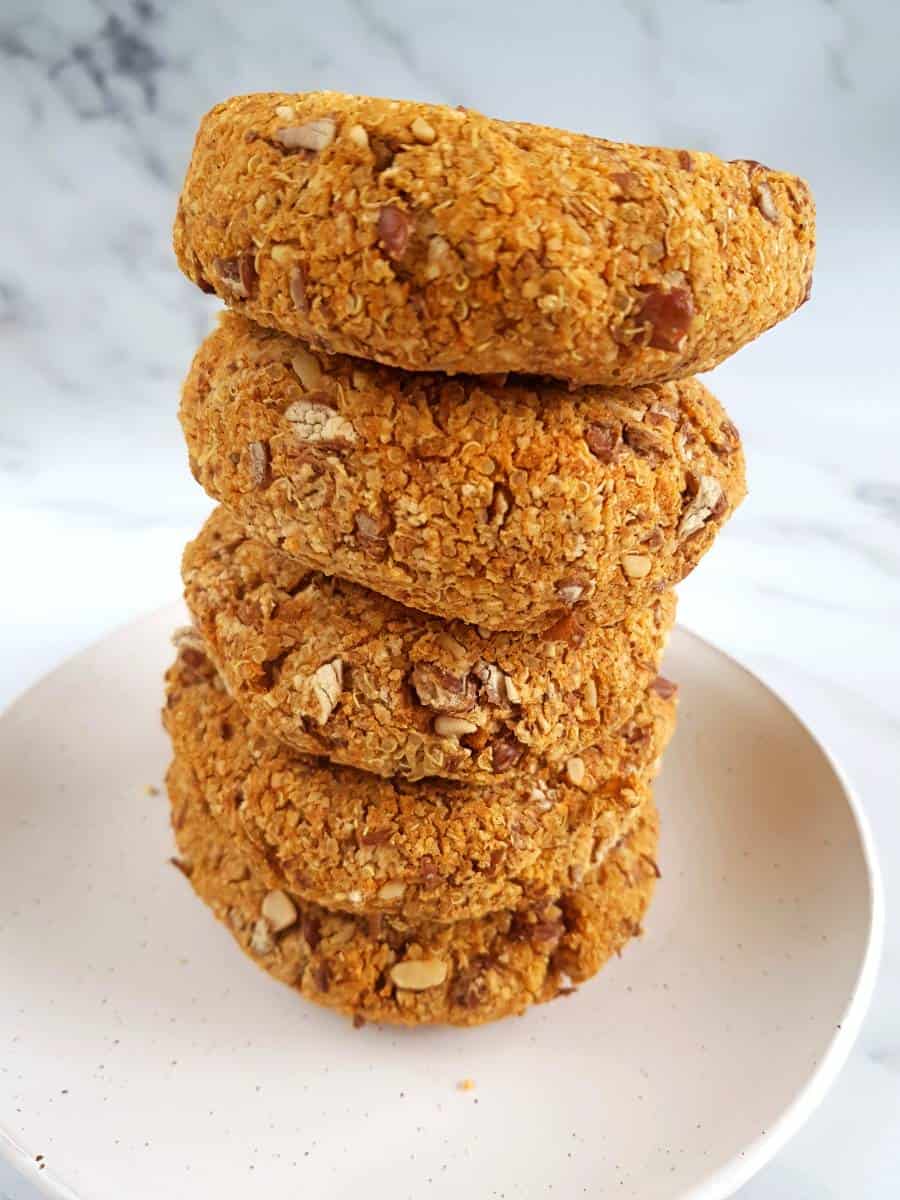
(142, 1055)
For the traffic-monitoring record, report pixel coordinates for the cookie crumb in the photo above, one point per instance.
(466, 1085)
(151, 790)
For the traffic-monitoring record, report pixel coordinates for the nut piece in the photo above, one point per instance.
(259, 463)
(450, 727)
(237, 275)
(261, 938)
(505, 752)
(393, 230)
(392, 890)
(442, 690)
(306, 368)
(644, 442)
(765, 202)
(298, 289)
(371, 534)
(422, 131)
(701, 508)
(319, 425)
(312, 135)
(326, 684)
(419, 974)
(358, 136)
(279, 910)
(668, 314)
(760, 190)
(575, 771)
(496, 685)
(664, 688)
(570, 591)
(454, 648)
(636, 566)
(187, 638)
(602, 441)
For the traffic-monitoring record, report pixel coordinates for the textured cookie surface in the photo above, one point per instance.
(511, 505)
(432, 238)
(464, 973)
(435, 849)
(338, 671)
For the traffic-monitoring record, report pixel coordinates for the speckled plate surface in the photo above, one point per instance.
(141, 1055)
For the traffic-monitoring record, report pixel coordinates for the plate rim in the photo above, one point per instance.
(741, 1168)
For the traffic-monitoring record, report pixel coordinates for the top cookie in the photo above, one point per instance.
(428, 237)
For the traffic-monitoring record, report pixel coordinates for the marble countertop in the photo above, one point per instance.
(99, 103)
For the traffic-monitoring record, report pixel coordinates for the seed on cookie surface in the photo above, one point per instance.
(575, 770)
(419, 974)
(450, 727)
(297, 288)
(636, 566)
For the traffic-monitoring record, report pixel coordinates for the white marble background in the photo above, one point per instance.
(98, 104)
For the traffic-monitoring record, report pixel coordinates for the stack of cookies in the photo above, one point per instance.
(450, 420)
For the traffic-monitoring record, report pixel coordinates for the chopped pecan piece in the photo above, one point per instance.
(664, 688)
(371, 534)
(443, 690)
(506, 752)
(237, 275)
(602, 441)
(705, 504)
(394, 227)
(668, 315)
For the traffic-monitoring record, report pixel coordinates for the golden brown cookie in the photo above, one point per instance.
(433, 850)
(516, 506)
(338, 671)
(380, 969)
(433, 238)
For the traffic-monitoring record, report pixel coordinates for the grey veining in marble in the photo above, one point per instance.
(98, 105)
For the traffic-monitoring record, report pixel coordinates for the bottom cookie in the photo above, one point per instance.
(377, 968)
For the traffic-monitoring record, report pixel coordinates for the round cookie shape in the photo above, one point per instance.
(434, 238)
(380, 969)
(516, 505)
(338, 671)
(433, 850)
